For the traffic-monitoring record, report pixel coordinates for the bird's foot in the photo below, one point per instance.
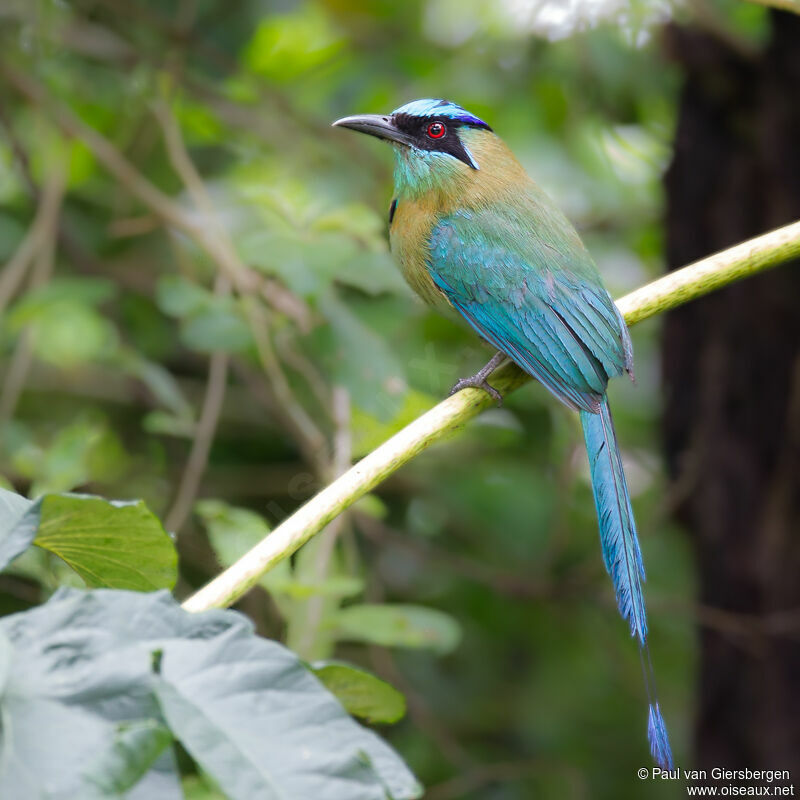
(477, 381)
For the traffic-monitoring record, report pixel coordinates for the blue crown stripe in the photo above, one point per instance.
(439, 108)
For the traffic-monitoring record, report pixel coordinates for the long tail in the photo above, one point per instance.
(622, 555)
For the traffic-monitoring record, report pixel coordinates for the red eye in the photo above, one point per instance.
(436, 130)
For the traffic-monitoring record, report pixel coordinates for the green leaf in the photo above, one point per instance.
(399, 626)
(165, 424)
(201, 787)
(332, 586)
(372, 505)
(292, 742)
(41, 302)
(360, 692)
(135, 749)
(248, 711)
(161, 383)
(5, 662)
(369, 431)
(233, 531)
(82, 451)
(287, 45)
(360, 221)
(71, 334)
(308, 262)
(67, 328)
(179, 297)
(219, 327)
(362, 360)
(108, 543)
(374, 273)
(284, 254)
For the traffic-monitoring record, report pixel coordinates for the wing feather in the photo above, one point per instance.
(545, 308)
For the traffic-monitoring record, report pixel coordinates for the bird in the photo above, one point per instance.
(473, 233)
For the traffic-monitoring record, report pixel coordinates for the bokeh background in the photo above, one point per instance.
(199, 309)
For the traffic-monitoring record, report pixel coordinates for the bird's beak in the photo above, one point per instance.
(375, 125)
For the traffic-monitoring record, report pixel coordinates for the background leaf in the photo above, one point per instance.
(360, 692)
(399, 626)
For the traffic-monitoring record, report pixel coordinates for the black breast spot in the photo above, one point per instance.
(392, 209)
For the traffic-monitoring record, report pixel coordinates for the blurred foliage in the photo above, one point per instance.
(485, 548)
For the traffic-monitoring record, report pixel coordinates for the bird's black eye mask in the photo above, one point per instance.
(439, 134)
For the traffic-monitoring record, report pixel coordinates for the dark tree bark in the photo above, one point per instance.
(731, 366)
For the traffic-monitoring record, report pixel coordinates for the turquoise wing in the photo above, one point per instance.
(538, 298)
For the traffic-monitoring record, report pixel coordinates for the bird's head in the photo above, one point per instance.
(437, 144)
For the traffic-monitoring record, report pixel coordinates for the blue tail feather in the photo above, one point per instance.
(622, 555)
(621, 552)
(659, 740)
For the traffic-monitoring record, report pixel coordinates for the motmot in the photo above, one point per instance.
(472, 232)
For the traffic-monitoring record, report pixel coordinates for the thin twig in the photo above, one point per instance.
(302, 426)
(219, 361)
(311, 439)
(201, 444)
(20, 154)
(68, 243)
(306, 369)
(313, 449)
(140, 187)
(14, 379)
(42, 243)
(34, 241)
(669, 291)
(14, 271)
(326, 543)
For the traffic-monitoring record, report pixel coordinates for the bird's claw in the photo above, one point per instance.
(477, 382)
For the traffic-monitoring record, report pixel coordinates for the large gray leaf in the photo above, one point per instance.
(54, 750)
(249, 712)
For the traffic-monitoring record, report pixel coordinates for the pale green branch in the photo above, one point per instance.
(672, 290)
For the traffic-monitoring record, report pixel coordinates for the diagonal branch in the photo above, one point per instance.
(672, 290)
